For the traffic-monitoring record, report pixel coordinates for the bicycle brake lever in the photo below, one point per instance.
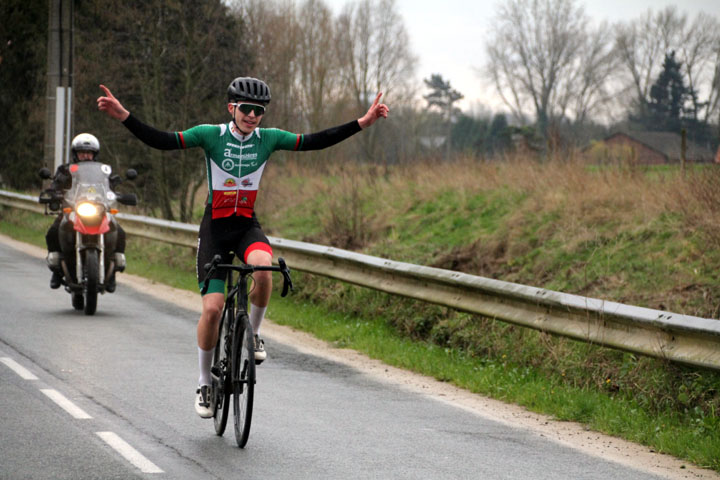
(209, 270)
(215, 261)
(287, 282)
(285, 287)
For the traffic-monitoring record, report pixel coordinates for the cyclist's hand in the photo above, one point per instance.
(110, 105)
(376, 111)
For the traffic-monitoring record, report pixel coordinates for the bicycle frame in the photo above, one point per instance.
(238, 290)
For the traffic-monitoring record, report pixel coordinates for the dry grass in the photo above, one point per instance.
(567, 225)
(698, 200)
(610, 195)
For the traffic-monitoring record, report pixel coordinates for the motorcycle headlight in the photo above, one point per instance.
(87, 209)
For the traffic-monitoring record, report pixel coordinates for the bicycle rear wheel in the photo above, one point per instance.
(221, 372)
(243, 378)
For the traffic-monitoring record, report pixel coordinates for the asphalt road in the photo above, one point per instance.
(112, 398)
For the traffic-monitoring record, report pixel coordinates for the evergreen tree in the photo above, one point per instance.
(499, 134)
(668, 97)
(442, 97)
(673, 106)
(468, 134)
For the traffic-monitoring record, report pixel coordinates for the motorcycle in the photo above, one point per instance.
(88, 229)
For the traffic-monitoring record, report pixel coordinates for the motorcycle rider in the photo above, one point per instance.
(84, 147)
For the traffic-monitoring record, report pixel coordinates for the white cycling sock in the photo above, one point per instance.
(205, 358)
(256, 317)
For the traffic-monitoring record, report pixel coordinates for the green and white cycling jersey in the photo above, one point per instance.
(235, 164)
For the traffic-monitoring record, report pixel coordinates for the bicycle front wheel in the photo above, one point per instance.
(243, 378)
(221, 371)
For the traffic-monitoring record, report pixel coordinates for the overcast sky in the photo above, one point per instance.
(448, 36)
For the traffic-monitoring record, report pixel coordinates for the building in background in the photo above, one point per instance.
(646, 148)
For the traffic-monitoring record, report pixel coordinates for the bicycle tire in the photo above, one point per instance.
(220, 372)
(243, 378)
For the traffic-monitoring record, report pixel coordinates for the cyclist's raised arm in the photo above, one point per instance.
(110, 105)
(149, 135)
(331, 136)
(326, 138)
(376, 111)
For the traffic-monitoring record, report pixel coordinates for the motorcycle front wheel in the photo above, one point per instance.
(92, 269)
(78, 301)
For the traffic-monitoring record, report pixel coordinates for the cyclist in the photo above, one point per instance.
(235, 155)
(84, 148)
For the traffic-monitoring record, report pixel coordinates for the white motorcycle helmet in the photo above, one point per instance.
(84, 142)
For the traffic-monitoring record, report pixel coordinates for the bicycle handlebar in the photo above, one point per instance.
(245, 269)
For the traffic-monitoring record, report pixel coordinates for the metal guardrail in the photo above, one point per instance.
(675, 337)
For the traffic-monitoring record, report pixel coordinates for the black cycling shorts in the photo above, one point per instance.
(227, 237)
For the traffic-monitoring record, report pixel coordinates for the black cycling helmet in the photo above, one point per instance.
(249, 89)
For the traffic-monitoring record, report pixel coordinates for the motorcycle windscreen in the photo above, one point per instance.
(90, 182)
(90, 186)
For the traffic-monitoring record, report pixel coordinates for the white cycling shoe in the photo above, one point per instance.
(202, 401)
(260, 354)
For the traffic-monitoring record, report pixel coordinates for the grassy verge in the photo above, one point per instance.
(648, 238)
(669, 408)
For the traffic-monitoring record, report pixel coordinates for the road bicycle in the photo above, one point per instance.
(233, 369)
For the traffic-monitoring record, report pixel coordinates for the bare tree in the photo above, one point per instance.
(272, 34)
(173, 75)
(589, 88)
(544, 57)
(375, 55)
(643, 43)
(714, 96)
(699, 52)
(318, 69)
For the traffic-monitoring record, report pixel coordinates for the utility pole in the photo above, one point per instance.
(58, 120)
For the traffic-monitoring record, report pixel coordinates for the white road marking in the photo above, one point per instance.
(130, 454)
(65, 404)
(17, 368)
